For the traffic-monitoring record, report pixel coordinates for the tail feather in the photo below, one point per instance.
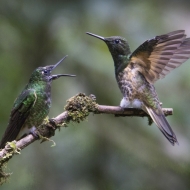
(160, 120)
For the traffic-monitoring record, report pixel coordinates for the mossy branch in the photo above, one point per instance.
(76, 110)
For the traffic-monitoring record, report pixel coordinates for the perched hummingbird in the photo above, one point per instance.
(136, 72)
(32, 105)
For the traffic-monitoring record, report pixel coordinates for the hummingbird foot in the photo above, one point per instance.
(34, 132)
(53, 124)
(37, 135)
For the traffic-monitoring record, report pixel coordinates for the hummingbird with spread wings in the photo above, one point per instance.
(137, 72)
(32, 105)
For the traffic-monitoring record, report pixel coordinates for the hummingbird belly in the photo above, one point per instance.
(37, 114)
(126, 103)
(135, 89)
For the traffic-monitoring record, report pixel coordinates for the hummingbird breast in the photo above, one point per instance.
(134, 86)
(41, 107)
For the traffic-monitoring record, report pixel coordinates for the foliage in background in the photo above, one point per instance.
(104, 152)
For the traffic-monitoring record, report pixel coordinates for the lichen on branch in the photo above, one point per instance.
(79, 107)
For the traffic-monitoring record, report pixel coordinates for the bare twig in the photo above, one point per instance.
(118, 111)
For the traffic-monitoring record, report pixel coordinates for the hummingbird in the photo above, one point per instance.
(137, 72)
(32, 105)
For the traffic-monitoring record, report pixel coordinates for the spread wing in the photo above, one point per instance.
(160, 55)
(19, 114)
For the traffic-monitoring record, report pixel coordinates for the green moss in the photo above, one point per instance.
(79, 106)
(4, 176)
(11, 150)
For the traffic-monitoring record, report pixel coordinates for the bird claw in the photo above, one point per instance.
(35, 133)
(52, 124)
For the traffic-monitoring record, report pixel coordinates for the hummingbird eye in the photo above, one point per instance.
(45, 72)
(117, 41)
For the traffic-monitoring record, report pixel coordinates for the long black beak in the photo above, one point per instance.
(96, 36)
(50, 68)
(58, 62)
(53, 77)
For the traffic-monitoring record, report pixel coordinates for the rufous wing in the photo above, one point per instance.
(160, 55)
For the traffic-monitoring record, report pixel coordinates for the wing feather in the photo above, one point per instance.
(160, 120)
(160, 55)
(19, 114)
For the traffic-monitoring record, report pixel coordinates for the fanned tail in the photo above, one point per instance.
(159, 118)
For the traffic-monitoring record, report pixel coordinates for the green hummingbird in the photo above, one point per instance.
(32, 105)
(136, 72)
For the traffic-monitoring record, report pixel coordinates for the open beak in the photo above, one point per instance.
(59, 62)
(52, 67)
(53, 77)
(96, 36)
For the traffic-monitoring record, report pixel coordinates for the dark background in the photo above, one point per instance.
(104, 152)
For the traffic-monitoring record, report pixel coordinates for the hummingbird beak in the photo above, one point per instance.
(50, 68)
(54, 77)
(96, 36)
(58, 63)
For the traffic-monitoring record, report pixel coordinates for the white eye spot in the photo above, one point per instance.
(117, 41)
(44, 72)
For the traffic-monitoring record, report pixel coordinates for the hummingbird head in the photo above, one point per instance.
(117, 45)
(44, 73)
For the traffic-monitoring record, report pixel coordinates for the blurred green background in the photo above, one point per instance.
(104, 152)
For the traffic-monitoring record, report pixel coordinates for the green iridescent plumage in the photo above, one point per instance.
(136, 73)
(32, 105)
